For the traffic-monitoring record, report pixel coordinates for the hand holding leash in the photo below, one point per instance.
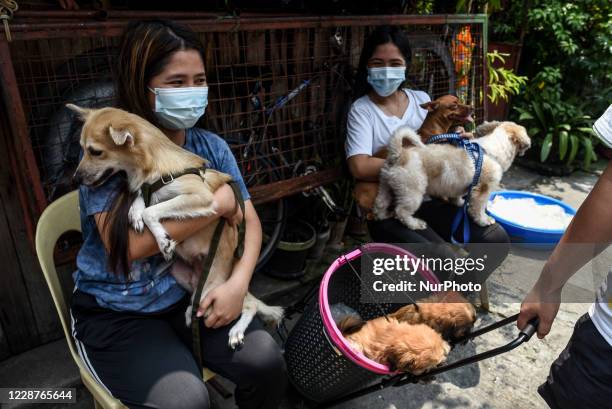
(223, 303)
(540, 305)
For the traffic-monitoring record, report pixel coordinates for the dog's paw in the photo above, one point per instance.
(484, 221)
(236, 338)
(135, 214)
(167, 246)
(413, 223)
(382, 214)
(457, 201)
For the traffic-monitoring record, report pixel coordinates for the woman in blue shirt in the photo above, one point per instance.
(127, 309)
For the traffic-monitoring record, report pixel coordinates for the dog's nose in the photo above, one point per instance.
(77, 178)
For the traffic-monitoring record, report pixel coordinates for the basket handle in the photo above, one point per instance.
(523, 336)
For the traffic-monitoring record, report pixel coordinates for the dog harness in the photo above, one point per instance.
(476, 153)
(147, 191)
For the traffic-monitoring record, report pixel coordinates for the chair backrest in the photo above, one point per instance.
(59, 217)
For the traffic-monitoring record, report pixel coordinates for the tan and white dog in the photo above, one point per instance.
(114, 140)
(413, 169)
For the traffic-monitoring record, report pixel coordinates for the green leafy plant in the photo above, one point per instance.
(502, 82)
(559, 128)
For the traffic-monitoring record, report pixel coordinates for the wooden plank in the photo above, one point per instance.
(15, 309)
(32, 309)
(283, 188)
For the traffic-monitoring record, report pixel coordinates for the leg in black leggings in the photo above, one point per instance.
(146, 361)
(439, 216)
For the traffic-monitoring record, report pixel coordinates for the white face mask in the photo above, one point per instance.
(180, 108)
(386, 80)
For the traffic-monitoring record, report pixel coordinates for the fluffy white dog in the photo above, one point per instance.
(413, 169)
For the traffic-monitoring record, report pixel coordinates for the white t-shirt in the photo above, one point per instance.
(369, 128)
(601, 310)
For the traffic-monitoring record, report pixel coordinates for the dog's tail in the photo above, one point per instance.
(403, 137)
(268, 313)
(485, 128)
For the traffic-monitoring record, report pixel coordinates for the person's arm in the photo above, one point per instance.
(359, 145)
(227, 299)
(591, 225)
(141, 245)
(365, 167)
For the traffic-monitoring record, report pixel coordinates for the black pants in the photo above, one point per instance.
(145, 360)
(439, 216)
(581, 377)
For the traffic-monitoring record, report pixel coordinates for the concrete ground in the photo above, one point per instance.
(508, 381)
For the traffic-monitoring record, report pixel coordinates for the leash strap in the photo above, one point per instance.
(476, 153)
(148, 189)
(242, 226)
(206, 265)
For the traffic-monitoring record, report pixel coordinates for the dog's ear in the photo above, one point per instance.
(430, 106)
(519, 137)
(121, 136)
(82, 113)
(350, 324)
(401, 360)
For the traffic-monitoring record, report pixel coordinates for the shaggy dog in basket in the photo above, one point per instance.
(413, 169)
(449, 313)
(399, 345)
(114, 140)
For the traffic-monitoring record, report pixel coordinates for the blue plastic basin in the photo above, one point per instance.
(533, 237)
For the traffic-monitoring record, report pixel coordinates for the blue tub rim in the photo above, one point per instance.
(568, 209)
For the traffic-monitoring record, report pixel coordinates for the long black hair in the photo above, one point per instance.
(380, 35)
(145, 50)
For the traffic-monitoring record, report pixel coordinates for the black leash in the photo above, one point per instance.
(207, 264)
(147, 191)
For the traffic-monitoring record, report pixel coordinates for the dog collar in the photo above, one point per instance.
(148, 189)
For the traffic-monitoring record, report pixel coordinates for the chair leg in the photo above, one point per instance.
(484, 297)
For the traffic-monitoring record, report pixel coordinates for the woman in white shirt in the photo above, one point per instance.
(382, 105)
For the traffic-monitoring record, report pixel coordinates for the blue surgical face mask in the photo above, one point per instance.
(386, 80)
(180, 108)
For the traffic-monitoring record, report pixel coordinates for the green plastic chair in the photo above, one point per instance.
(60, 217)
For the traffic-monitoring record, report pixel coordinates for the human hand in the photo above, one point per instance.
(225, 302)
(542, 304)
(461, 131)
(225, 205)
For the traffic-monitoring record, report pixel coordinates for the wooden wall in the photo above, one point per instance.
(27, 315)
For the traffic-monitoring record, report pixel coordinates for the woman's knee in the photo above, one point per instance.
(265, 360)
(179, 390)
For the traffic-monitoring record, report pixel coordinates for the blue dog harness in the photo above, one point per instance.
(476, 153)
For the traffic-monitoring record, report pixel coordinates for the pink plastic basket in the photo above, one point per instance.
(321, 363)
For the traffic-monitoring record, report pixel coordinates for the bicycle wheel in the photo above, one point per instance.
(272, 215)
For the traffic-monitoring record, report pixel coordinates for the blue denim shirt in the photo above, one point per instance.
(150, 287)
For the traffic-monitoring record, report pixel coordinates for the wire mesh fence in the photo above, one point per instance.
(278, 95)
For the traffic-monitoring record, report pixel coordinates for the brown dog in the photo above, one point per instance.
(399, 345)
(442, 114)
(449, 313)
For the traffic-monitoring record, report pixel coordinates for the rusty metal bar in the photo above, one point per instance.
(28, 31)
(278, 190)
(132, 14)
(19, 127)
